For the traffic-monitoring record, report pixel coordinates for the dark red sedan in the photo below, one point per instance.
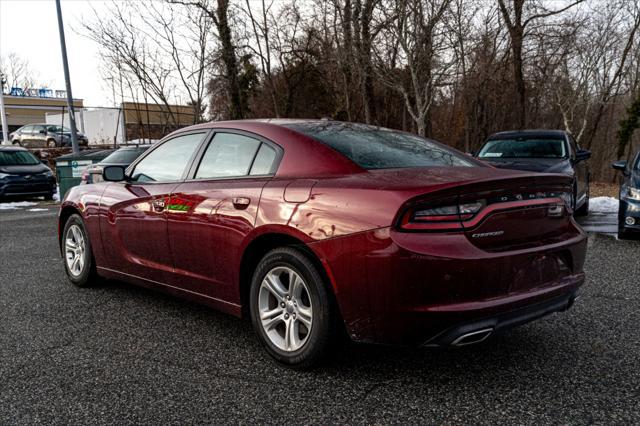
(310, 227)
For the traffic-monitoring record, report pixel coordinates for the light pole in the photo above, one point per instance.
(67, 80)
(5, 129)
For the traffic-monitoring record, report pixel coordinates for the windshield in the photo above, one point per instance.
(18, 158)
(58, 129)
(523, 148)
(378, 148)
(123, 156)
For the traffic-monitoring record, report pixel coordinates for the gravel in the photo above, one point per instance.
(118, 354)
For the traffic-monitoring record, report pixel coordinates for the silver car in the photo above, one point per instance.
(45, 135)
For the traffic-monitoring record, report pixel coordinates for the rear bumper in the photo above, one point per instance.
(412, 289)
(477, 330)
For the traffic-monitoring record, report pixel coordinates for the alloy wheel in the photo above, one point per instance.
(285, 310)
(75, 247)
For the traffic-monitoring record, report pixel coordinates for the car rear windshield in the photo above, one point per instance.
(123, 156)
(17, 158)
(378, 148)
(524, 148)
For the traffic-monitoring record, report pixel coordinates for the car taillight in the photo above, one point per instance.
(454, 213)
(441, 217)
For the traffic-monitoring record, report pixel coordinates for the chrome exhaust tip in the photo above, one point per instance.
(473, 337)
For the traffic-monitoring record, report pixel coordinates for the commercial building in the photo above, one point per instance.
(27, 107)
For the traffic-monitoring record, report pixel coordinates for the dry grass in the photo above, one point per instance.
(603, 189)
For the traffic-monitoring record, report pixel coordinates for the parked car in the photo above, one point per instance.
(120, 157)
(544, 151)
(22, 174)
(45, 135)
(629, 210)
(309, 227)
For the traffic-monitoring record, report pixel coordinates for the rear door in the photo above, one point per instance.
(26, 134)
(210, 214)
(134, 229)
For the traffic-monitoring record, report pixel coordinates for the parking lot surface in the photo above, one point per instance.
(116, 354)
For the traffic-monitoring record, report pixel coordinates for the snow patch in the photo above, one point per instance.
(56, 196)
(38, 210)
(16, 205)
(603, 205)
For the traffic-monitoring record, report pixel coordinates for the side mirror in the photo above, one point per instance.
(620, 165)
(113, 173)
(583, 154)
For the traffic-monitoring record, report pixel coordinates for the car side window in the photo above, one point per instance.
(228, 155)
(26, 130)
(265, 161)
(167, 162)
(38, 129)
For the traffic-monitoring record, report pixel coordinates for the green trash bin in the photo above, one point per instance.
(69, 167)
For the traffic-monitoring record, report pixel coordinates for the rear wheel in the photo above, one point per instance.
(51, 143)
(291, 310)
(76, 249)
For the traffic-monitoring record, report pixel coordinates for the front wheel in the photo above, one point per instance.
(76, 249)
(291, 310)
(51, 143)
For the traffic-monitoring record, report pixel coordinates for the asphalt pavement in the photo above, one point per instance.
(119, 354)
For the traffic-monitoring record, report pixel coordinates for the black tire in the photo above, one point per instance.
(16, 143)
(49, 197)
(88, 274)
(51, 143)
(324, 313)
(624, 234)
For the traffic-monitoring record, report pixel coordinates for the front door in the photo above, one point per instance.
(134, 219)
(581, 171)
(211, 214)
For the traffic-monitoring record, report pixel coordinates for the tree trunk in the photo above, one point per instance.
(236, 110)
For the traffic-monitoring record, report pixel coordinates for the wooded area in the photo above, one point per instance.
(453, 70)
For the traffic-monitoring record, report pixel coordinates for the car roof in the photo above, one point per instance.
(529, 133)
(12, 148)
(311, 157)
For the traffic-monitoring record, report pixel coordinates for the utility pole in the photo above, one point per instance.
(5, 129)
(67, 80)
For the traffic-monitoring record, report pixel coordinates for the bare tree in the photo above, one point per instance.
(416, 27)
(18, 72)
(517, 23)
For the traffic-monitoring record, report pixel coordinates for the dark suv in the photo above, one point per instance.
(544, 151)
(23, 175)
(629, 211)
(45, 135)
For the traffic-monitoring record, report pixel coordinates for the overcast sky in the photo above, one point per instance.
(29, 28)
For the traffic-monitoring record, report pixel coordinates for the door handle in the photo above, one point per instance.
(241, 203)
(158, 205)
